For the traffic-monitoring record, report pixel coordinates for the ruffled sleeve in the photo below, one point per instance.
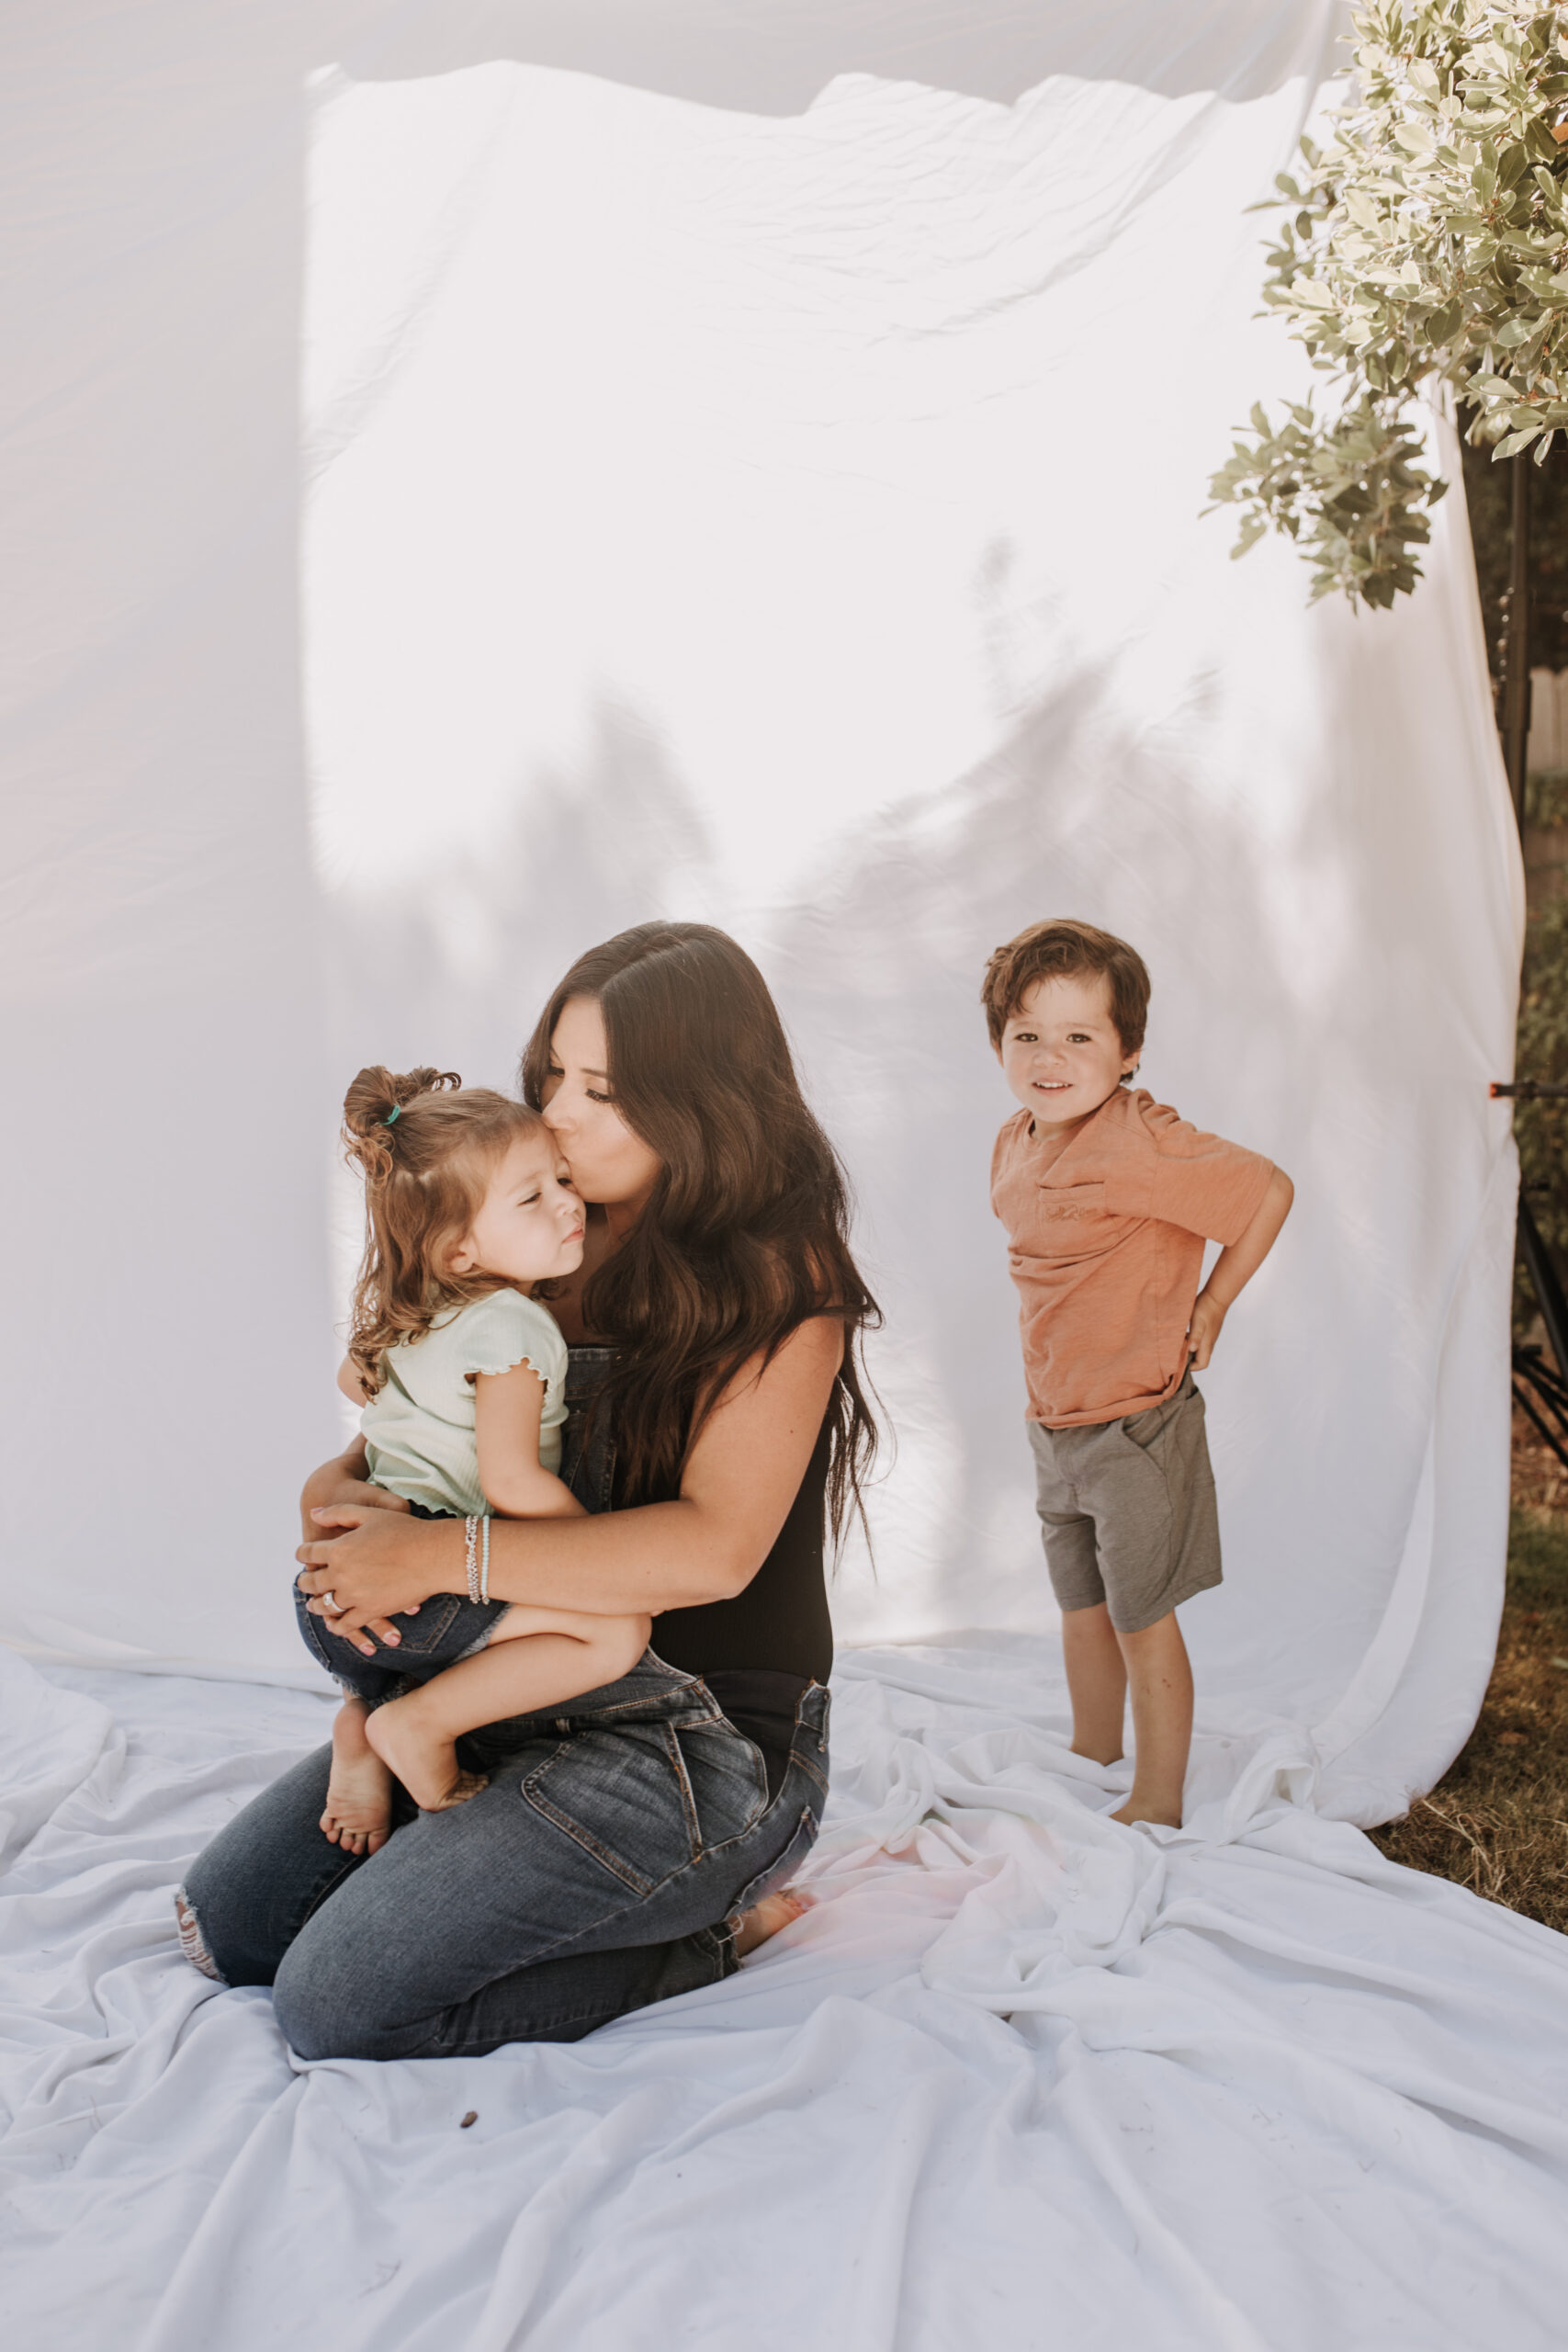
(506, 1329)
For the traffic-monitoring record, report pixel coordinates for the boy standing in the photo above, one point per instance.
(1108, 1198)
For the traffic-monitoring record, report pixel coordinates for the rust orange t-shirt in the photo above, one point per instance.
(1105, 1241)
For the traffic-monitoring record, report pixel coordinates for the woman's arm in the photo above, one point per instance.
(743, 1475)
(343, 1480)
(341, 1483)
(508, 1409)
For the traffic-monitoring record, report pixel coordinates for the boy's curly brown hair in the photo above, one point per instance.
(1061, 950)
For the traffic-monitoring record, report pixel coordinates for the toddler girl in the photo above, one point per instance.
(469, 1204)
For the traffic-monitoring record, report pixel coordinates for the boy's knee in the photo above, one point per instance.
(1158, 1634)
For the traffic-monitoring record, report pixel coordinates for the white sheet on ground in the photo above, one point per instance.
(1022, 2079)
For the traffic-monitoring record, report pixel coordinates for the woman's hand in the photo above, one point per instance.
(375, 1564)
(342, 1481)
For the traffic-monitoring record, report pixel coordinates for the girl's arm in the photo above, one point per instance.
(738, 1483)
(508, 1408)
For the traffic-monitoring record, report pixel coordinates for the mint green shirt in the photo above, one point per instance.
(418, 1427)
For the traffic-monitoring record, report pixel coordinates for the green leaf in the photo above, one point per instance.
(1515, 441)
(1425, 244)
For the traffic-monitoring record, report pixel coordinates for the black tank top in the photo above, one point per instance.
(780, 1624)
(758, 1652)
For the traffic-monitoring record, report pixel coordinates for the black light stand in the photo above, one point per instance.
(1541, 1390)
(1516, 638)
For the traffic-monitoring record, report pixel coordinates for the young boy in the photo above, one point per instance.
(1108, 1198)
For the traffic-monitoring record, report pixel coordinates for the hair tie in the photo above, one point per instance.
(395, 1112)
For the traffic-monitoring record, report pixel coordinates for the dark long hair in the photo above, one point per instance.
(745, 1236)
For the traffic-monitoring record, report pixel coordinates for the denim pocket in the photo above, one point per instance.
(723, 1782)
(594, 1789)
(610, 1791)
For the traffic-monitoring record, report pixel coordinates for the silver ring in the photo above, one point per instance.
(329, 1601)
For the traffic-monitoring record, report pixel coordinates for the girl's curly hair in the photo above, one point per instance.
(425, 1145)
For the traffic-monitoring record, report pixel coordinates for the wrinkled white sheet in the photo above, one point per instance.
(1022, 2079)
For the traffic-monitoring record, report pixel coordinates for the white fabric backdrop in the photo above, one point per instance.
(789, 521)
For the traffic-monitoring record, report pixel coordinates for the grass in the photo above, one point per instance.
(1498, 1821)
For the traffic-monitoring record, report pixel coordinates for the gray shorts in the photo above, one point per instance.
(1127, 1511)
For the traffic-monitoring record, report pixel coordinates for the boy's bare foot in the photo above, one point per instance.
(426, 1761)
(765, 1918)
(1133, 1811)
(358, 1815)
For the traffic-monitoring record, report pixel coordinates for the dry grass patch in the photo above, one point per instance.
(1498, 1821)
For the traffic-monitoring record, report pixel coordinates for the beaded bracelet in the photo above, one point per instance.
(484, 1569)
(471, 1532)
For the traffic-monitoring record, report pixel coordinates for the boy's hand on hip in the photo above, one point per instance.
(1208, 1322)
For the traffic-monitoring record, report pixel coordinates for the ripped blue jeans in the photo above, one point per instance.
(602, 1868)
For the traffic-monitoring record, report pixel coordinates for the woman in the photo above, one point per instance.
(616, 1851)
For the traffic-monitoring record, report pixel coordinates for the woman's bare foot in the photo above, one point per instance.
(765, 1918)
(359, 1815)
(424, 1759)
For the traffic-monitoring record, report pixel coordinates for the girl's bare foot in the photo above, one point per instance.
(424, 1761)
(358, 1815)
(765, 1918)
(1133, 1811)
